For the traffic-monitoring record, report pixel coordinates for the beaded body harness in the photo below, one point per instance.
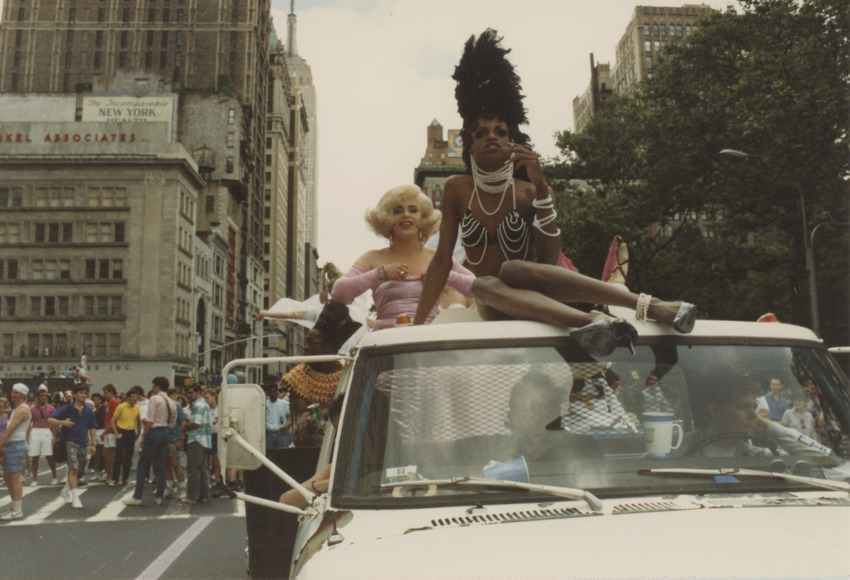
(512, 234)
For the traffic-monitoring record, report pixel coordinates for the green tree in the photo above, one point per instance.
(727, 234)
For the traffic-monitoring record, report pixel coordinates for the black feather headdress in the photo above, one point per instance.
(488, 87)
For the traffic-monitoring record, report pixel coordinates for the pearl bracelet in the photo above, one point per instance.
(642, 307)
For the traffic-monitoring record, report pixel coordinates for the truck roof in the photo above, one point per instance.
(522, 329)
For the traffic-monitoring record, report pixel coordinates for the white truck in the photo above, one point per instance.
(503, 450)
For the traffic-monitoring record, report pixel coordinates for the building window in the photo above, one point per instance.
(8, 269)
(232, 62)
(98, 38)
(10, 233)
(125, 36)
(11, 197)
(178, 59)
(649, 62)
(164, 40)
(52, 233)
(151, 15)
(125, 17)
(166, 14)
(72, 15)
(178, 38)
(231, 116)
(231, 139)
(229, 165)
(148, 60)
(21, 14)
(163, 59)
(69, 40)
(181, 14)
(101, 14)
(122, 59)
(68, 57)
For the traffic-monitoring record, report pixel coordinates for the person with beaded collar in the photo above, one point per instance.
(505, 212)
(317, 382)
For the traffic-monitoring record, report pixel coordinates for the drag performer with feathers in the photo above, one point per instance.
(505, 213)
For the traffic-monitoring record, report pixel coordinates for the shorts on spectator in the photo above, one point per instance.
(16, 454)
(214, 448)
(109, 440)
(76, 455)
(41, 442)
(172, 450)
(97, 434)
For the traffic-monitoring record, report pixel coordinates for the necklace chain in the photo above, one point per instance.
(503, 179)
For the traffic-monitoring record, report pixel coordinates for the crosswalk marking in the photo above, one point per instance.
(51, 506)
(112, 510)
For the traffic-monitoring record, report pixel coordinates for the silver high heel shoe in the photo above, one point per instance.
(601, 338)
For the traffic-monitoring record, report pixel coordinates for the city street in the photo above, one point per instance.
(107, 539)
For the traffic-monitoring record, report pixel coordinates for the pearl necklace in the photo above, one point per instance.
(484, 181)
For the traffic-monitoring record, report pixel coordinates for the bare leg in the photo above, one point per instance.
(35, 468)
(15, 485)
(564, 285)
(73, 478)
(109, 457)
(52, 463)
(497, 300)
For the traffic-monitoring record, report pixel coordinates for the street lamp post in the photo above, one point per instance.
(807, 244)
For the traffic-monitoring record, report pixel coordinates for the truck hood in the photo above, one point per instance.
(510, 542)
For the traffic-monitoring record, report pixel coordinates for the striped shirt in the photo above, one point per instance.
(201, 416)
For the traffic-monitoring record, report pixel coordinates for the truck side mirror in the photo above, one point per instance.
(242, 411)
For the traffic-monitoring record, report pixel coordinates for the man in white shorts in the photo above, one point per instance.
(41, 435)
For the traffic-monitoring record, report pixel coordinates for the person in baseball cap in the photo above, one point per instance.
(13, 442)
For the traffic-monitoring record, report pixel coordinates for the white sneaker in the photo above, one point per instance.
(66, 495)
(12, 515)
(54, 481)
(64, 480)
(34, 483)
(157, 501)
(131, 501)
(76, 504)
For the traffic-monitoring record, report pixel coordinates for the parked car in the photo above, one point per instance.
(503, 450)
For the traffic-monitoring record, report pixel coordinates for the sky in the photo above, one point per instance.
(382, 71)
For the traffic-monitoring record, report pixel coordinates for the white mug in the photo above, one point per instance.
(658, 430)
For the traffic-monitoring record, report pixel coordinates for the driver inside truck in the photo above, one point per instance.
(535, 420)
(735, 428)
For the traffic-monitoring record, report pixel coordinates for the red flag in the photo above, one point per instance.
(617, 264)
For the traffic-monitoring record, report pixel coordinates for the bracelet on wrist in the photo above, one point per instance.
(543, 203)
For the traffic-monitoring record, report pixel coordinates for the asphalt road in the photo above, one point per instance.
(107, 539)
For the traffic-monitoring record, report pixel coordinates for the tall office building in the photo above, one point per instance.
(303, 210)
(202, 68)
(649, 30)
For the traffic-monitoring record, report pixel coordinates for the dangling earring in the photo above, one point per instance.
(421, 240)
(391, 237)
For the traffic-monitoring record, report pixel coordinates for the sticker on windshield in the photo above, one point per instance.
(396, 474)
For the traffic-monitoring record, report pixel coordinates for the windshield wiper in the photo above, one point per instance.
(814, 481)
(564, 492)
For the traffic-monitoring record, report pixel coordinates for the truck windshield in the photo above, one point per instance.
(546, 414)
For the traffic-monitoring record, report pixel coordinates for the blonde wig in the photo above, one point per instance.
(380, 219)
